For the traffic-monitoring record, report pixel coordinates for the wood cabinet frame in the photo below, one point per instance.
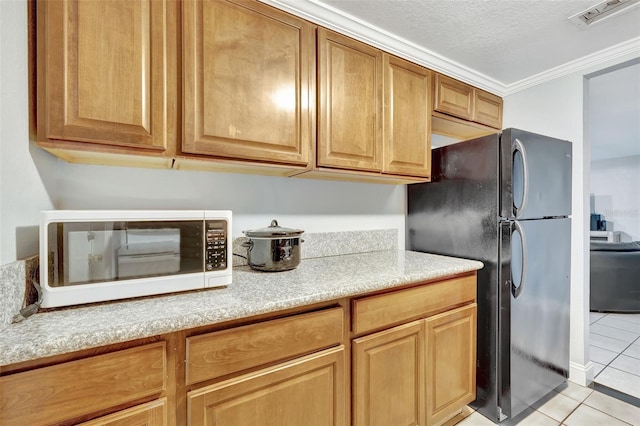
(74, 121)
(461, 100)
(167, 125)
(416, 326)
(275, 125)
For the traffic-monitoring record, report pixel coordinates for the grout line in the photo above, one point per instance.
(621, 329)
(569, 415)
(608, 365)
(616, 394)
(610, 415)
(622, 371)
(562, 423)
(618, 356)
(623, 319)
(610, 337)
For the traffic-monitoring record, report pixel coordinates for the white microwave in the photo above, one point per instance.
(91, 256)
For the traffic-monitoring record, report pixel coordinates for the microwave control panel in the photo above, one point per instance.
(216, 245)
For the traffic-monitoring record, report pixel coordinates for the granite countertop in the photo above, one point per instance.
(251, 293)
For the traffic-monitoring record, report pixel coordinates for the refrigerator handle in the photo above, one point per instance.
(516, 291)
(519, 147)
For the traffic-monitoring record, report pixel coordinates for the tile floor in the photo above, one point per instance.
(571, 405)
(615, 351)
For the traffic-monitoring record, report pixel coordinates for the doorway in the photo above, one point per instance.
(613, 102)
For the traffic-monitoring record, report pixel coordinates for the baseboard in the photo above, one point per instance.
(581, 374)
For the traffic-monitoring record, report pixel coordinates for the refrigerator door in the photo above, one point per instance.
(535, 268)
(536, 175)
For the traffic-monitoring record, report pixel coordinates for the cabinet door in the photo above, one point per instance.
(306, 391)
(453, 97)
(106, 73)
(451, 362)
(488, 109)
(407, 118)
(388, 377)
(248, 82)
(350, 103)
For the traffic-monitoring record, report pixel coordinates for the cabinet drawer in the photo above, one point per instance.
(383, 310)
(224, 352)
(153, 413)
(50, 395)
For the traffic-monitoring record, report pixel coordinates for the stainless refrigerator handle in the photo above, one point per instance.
(519, 146)
(516, 291)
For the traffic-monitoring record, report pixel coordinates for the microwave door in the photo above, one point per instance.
(90, 255)
(144, 260)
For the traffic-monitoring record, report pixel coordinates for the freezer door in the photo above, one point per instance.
(536, 175)
(535, 268)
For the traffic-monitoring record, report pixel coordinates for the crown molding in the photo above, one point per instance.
(628, 48)
(334, 19)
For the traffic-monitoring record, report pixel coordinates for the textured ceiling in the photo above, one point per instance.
(510, 42)
(504, 40)
(504, 46)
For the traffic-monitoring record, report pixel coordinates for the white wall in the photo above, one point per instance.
(557, 108)
(31, 180)
(311, 205)
(27, 174)
(615, 193)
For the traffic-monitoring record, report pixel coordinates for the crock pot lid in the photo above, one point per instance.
(273, 231)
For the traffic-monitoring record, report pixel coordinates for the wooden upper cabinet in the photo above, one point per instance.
(453, 97)
(461, 100)
(407, 115)
(350, 103)
(488, 109)
(107, 72)
(249, 82)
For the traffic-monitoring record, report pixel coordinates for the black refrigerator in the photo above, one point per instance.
(505, 200)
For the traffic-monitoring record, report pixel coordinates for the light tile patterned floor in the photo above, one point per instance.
(615, 351)
(572, 406)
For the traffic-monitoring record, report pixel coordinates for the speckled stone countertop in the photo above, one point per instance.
(251, 293)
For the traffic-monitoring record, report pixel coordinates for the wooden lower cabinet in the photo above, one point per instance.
(388, 377)
(421, 372)
(151, 414)
(306, 391)
(59, 394)
(451, 362)
(411, 361)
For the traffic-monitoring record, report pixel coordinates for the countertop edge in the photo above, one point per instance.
(39, 343)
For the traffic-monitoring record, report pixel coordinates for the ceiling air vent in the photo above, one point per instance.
(602, 10)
